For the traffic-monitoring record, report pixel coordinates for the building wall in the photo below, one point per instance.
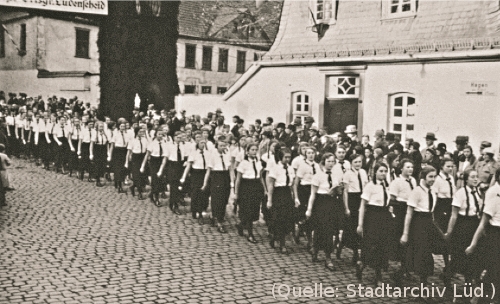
(50, 46)
(12, 59)
(439, 88)
(214, 78)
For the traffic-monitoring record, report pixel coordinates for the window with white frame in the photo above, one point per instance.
(402, 115)
(301, 105)
(323, 11)
(402, 7)
(343, 87)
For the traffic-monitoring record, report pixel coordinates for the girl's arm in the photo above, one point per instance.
(207, 178)
(270, 191)
(144, 161)
(312, 198)
(127, 159)
(452, 222)
(408, 218)
(346, 200)
(479, 233)
(91, 149)
(237, 185)
(361, 216)
(186, 172)
(70, 141)
(295, 188)
(162, 167)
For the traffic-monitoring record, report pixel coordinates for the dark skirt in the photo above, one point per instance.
(283, 212)
(304, 192)
(351, 238)
(157, 183)
(442, 214)
(199, 198)
(491, 249)
(250, 196)
(13, 148)
(175, 170)
(73, 156)
(220, 189)
(323, 222)
(397, 252)
(463, 232)
(420, 243)
(138, 178)
(374, 246)
(118, 163)
(100, 159)
(85, 163)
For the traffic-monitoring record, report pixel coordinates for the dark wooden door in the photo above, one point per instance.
(341, 113)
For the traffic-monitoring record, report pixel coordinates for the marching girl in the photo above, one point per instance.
(301, 158)
(355, 181)
(74, 141)
(467, 208)
(280, 198)
(220, 177)
(344, 166)
(118, 152)
(400, 190)
(489, 229)
(42, 142)
(322, 209)
(99, 152)
(268, 161)
(419, 231)
(19, 130)
(177, 152)
(197, 167)
(374, 224)
(249, 191)
(11, 133)
(444, 187)
(27, 136)
(206, 136)
(84, 151)
(59, 133)
(51, 143)
(34, 136)
(302, 191)
(136, 151)
(156, 154)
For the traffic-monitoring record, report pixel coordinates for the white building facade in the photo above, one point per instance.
(49, 57)
(393, 65)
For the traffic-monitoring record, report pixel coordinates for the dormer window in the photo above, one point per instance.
(323, 11)
(402, 8)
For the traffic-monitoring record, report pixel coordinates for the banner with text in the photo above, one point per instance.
(98, 7)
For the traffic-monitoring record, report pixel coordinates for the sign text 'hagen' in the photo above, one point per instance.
(99, 7)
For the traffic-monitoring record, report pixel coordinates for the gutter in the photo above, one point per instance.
(348, 60)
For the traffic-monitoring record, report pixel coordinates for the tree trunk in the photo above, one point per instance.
(138, 54)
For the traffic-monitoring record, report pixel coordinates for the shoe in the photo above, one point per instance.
(151, 198)
(296, 238)
(240, 230)
(98, 184)
(339, 250)
(194, 215)
(283, 250)
(251, 239)
(329, 265)
(175, 210)
(271, 243)
(359, 271)
(90, 180)
(132, 190)
(315, 257)
(140, 197)
(157, 203)
(221, 229)
(201, 220)
(70, 173)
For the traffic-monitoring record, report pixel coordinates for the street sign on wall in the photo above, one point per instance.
(480, 88)
(97, 7)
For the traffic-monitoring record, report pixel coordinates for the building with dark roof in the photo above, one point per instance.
(405, 66)
(218, 41)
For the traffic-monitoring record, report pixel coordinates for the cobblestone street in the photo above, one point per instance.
(66, 241)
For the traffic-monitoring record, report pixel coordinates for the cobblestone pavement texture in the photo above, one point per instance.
(66, 241)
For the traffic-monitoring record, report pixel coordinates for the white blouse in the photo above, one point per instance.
(374, 194)
(248, 170)
(99, 138)
(157, 148)
(306, 171)
(352, 178)
(215, 161)
(419, 199)
(401, 189)
(320, 180)
(279, 174)
(442, 187)
(199, 158)
(492, 204)
(138, 145)
(465, 199)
